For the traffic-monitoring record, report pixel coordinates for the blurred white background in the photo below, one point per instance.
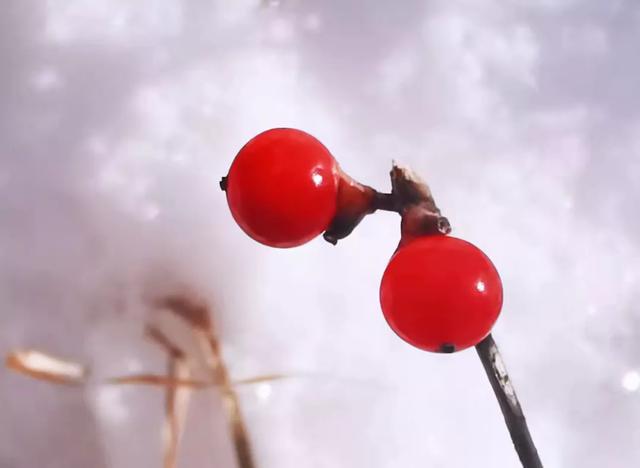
(119, 117)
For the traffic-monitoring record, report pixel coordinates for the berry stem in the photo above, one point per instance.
(500, 381)
(385, 202)
(411, 197)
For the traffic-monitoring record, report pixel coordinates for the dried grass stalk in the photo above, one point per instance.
(44, 366)
(196, 314)
(155, 380)
(176, 406)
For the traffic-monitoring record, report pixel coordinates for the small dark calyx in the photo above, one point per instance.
(342, 226)
(330, 238)
(223, 184)
(443, 225)
(447, 348)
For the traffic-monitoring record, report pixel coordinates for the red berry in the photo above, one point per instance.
(440, 293)
(282, 187)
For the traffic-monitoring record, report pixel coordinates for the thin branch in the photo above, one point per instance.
(385, 202)
(508, 400)
(412, 198)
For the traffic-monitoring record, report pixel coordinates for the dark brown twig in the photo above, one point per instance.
(421, 216)
(385, 202)
(413, 200)
(508, 400)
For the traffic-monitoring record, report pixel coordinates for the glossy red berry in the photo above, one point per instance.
(282, 187)
(441, 294)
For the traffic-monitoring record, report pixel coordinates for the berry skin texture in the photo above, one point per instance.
(282, 187)
(441, 294)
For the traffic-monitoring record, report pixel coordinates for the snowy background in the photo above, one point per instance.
(117, 119)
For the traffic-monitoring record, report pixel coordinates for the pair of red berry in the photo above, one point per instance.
(438, 293)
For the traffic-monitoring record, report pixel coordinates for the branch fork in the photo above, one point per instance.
(411, 197)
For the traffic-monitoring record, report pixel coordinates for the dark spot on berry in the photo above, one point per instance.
(447, 348)
(223, 184)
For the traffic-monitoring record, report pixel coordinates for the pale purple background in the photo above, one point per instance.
(119, 116)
